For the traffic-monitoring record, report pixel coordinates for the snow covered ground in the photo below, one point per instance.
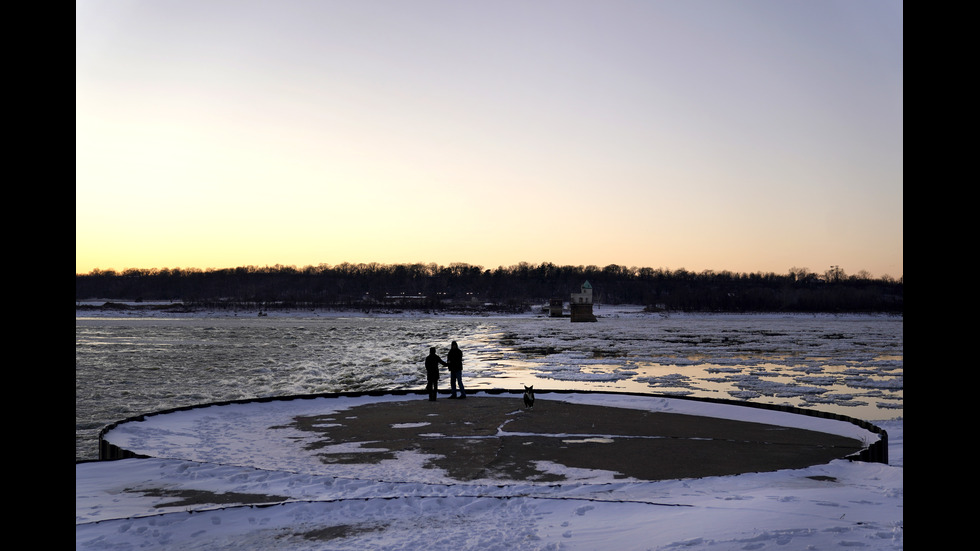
(233, 487)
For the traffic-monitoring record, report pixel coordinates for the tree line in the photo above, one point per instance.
(520, 287)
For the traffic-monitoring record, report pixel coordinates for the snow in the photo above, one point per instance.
(400, 504)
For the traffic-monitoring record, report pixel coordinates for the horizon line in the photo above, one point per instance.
(325, 265)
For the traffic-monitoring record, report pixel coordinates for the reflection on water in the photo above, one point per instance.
(852, 365)
(848, 364)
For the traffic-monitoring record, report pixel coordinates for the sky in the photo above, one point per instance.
(748, 136)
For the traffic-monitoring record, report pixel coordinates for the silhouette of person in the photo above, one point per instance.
(432, 362)
(455, 358)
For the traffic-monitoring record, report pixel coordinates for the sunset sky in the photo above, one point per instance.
(745, 135)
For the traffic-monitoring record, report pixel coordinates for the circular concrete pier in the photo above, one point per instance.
(492, 436)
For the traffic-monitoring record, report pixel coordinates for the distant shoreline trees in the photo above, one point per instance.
(515, 288)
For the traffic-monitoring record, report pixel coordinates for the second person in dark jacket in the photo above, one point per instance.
(455, 358)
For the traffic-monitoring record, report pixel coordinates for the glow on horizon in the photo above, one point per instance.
(750, 137)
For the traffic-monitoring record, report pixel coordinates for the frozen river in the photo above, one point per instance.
(126, 366)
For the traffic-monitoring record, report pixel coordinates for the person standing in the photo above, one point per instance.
(432, 362)
(455, 358)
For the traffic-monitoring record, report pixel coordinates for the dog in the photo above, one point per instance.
(529, 396)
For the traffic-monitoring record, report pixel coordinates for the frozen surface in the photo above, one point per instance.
(271, 498)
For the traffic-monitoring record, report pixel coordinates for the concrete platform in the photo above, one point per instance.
(497, 438)
(583, 470)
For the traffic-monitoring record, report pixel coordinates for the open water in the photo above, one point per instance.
(125, 366)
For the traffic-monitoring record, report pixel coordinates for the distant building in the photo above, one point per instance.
(581, 304)
(555, 307)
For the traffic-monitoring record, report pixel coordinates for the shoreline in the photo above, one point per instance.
(164, 309)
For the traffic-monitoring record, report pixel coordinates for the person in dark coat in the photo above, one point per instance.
(455, 358)
(432, 362)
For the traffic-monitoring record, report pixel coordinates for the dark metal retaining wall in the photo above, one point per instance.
(877, 452)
